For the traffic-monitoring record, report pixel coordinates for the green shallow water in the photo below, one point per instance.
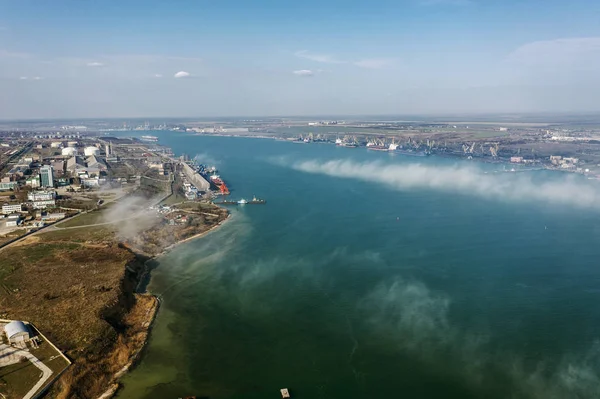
(345, 288)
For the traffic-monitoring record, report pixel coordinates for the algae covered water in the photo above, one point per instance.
(368, 275)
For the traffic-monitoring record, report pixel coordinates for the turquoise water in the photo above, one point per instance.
(352, 288)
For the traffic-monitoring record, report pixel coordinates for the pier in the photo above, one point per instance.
(195, 178)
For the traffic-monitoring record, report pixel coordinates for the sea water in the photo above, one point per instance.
(377, 276)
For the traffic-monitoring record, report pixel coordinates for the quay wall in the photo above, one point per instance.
(195, 178)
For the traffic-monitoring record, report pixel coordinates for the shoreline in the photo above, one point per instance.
(199, 235)
(145, 279)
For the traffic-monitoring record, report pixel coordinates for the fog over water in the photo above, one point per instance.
(464, 179)
(368, 276)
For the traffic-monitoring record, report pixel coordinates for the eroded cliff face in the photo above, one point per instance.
(78, 288)
(127, 320)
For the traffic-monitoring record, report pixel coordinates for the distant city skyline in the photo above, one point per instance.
(69, 59)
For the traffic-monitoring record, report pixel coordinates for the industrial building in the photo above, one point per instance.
(13, 220)
(11, 208)
(8, 185)
(42, 199)
(90, 166)
(17, 332)
(69, 151)
(33, 182)
(91, 150)
(95, 165)
(75, 164)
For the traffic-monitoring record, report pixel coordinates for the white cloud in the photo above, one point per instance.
(38, 78)
(182, 74)
(304, 72)
(462, 180)
(23, 78)
(95, 64)
(158, 75)
(370, 63)
(374, 63)
(324, 58)
(558, 50)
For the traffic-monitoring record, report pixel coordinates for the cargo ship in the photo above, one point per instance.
(149, 138)
(216, 181)
(377, 145)
(377, 148)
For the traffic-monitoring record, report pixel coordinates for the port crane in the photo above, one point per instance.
(494, 150)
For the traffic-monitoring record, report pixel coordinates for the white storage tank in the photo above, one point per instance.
(72, 143)
(89, 151)
(16, 330)
(70, 151)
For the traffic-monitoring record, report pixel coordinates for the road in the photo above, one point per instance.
(10, 355)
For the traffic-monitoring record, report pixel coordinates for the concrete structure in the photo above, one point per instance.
(89, 151)
(53, 216)
(7, 209)
(75, 164)
(70, 151)
(47, 176)
(516, 159)
(72, 143)
(16, 331)
(56, 144)
(95, 165)
(195, 178)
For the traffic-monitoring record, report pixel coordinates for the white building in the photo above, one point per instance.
(8, 209)
(70, 151)
(93, 182)
(41, 195)
(33, 181)
(16, 331)
(13, 220)
(89, 151)
(43, 204)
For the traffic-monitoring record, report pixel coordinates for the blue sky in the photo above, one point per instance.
(227, 58)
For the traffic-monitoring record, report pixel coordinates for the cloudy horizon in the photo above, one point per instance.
(470, 57)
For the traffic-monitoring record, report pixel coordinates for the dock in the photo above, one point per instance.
(195, 178)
